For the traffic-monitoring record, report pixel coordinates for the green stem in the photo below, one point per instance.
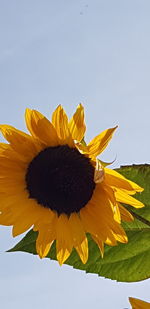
(145, 221)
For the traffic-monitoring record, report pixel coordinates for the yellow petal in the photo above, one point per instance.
(11, 211)
(110, 193)
(64, 242)
(6, 218)
(41, 128)
(117, 215)
(98, 218)
(10, 132)
(125, 214)
(8, 164)
(3, 148)
(6, 151)
(100, 244)
(10, 190)
(43, 248)
(79, 238)
(119, 233)
(82, 149)
(8, 201)
(103, 200)
(113, 178)
(18, 180)
(21, 142)
(100, 142)
(93, 222)
(28, 120)
(20, 227)
(11, 175)
(60, 122)
(47, 232)
(123, 197)
(138, 303)
(76, 125)
(45, 239)
(109, 242)
(22, 221)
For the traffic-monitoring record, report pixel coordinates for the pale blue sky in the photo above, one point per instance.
(91, 51)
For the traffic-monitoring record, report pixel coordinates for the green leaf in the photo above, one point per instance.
(126, 262)
(141, 175)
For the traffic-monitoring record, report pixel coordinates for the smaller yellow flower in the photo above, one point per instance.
(138, 303)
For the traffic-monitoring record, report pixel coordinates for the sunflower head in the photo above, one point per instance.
(52, 180)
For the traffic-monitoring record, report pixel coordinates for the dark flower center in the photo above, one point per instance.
(60, 178)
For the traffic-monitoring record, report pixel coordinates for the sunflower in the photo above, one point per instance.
(138, 303)
(51, 180)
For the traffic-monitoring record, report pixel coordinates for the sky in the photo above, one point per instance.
(66, 52)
